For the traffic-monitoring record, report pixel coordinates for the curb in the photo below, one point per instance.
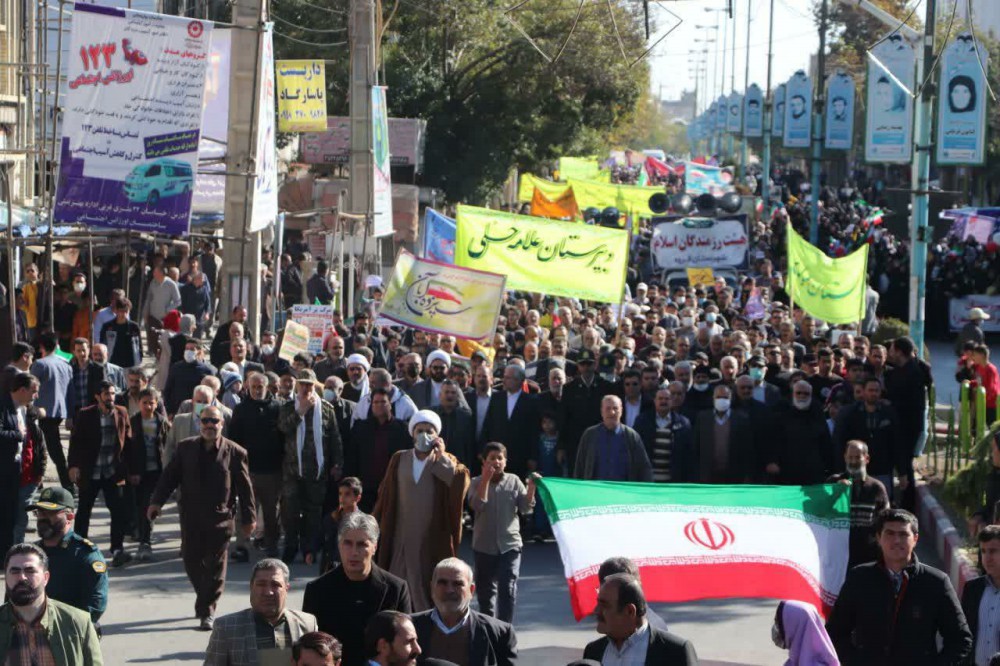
(936, 526)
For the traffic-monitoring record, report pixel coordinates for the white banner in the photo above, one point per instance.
(382, 180)
(131, 126)
(265, 189)
(891, 80)
(210, 190)
(687, 244)
(318, 319)
(958, 311)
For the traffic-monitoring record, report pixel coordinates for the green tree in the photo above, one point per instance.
(491, 100)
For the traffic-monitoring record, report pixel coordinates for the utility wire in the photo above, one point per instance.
(900, 26)
(937, 58)
(302, 41)
(302, 27)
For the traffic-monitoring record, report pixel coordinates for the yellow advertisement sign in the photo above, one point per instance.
(546, 256)
(442, 298)
(301, 95)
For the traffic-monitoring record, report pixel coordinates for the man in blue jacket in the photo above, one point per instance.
(55, 379)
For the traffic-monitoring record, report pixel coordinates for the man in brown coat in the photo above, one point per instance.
(212, 473)
(97, 464)
(419, 508)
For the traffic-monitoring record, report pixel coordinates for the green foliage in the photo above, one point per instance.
(491, 101)
(889, 329)
(966, 490)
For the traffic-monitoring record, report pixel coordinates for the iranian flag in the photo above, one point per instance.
(703, 542)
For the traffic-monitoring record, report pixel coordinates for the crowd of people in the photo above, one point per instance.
(370, 459)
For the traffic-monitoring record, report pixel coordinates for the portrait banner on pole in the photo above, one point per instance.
(547, 256)
(735, 122)
(753, 112)
(442, 298)
(798, 111)
(778, 112)
(961, 130)
(382, 182)
(132, 119)
(889, 118)
(839, 112)
(301, 95)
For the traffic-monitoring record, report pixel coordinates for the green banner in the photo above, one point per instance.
(557, 258)
(582, 168)
(829, 289)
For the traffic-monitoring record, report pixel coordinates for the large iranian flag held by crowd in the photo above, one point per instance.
(701, 541)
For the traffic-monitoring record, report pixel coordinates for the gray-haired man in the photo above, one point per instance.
(346, 597)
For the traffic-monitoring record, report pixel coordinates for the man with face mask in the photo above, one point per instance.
(268, 354)
(699, 397)
(254, 426)
(763, 391)
(186, 375)
(419, 507)
(35, 629)
(314, 455)
(78, 572)
(724, 442)
(802, 451)
(868, 499)
(452, 631)
(408, 368)
(357, 374)
(98, 463)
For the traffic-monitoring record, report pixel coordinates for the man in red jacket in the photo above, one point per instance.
(988, 378)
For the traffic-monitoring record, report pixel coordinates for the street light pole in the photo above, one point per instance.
(746, 86)
(765, 189)
(817, 135)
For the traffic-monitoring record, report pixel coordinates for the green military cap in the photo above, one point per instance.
(55, 498)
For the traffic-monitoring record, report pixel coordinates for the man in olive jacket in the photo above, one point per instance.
(64, 632)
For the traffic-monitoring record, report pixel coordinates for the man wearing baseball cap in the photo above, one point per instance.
(972, 331)
(78, 572)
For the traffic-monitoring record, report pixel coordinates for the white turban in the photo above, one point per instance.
(438, 355)
(358, 359)
(425, 416)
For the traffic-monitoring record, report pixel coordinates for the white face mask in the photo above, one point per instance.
(802, 403)
(190, 355)
(329, 395)
(267, 350)
(701, 387)
(722, 404)
(199, 407)
(424, 442)
(79, 287)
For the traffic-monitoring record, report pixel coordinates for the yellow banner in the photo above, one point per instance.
(301, 95)
(442, 298)
(582, 168)
(546, 256)
(528, 183)
(702, 276)
(826, 288)
(629, 199)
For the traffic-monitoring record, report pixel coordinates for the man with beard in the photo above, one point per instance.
(427, 393)
(78, 574)
(391, 640)
(265, 632)
(35, 629)
(357, 374)
(447, 631)
(868, 499)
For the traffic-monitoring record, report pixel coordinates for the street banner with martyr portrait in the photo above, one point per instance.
(798, 111)
(778, 112)
(826, 288)
(753, 112)
(889, 120)
(301, 95)
(734, 123)
(721, 113)
(839, 112)
(961, 130)
(132, 120)
(442, 298)
(546, 256)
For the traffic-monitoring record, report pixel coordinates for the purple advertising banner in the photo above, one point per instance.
(132, 123)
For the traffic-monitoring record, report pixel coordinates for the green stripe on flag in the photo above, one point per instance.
(566, 499)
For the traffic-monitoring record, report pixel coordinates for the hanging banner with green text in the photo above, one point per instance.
(550, 257)
(826, 288)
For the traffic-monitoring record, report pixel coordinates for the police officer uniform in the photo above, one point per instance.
(78, 574)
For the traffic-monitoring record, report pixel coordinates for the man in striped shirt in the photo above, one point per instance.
(667, 436)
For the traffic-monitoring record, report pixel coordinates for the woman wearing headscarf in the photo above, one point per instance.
(799, 629)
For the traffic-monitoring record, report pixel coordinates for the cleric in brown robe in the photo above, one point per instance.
(419, 508)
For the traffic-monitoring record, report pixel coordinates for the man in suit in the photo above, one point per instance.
(980, 597)
(55, 379)
(427, 392)
(513, 420)
(458, 428)
(610, 450)
(98, 463)
(21, 357)
(763, 391)
(723, 442)
(238, 350)
(345, 598)
(628, 637)
(478, 398)
(23, 388)
(667, 436)
(454, 632)
(113, 372)
(238, 639)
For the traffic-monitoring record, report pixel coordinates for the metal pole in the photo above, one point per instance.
(746, 85)
(90, 287)
(11, 297)
(921, 175)
(279, 247)
(817, 134)
(765, 189)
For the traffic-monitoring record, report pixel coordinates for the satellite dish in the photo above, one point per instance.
(659, 203)
(731, 202)
(706, 204)
(683, 203)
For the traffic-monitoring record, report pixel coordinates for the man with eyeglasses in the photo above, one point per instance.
(211, 473)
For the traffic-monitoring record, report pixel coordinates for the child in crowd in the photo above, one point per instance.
(232, 387)
(349, 497)
(548, 465)
(145, 463)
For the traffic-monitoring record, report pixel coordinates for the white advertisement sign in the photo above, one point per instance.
(132, 119)
(318, 319)
(679, 245)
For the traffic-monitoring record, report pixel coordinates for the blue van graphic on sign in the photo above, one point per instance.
(150, 182)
